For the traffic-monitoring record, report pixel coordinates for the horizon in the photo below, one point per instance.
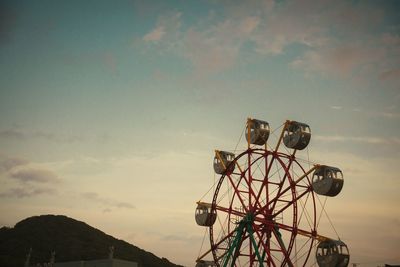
(110, 112)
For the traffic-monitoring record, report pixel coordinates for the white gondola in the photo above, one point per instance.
(332, 253)
(222, 162)
(202, 263)
(205, 215)
(327, 181)
(297, 135)
(259, 132)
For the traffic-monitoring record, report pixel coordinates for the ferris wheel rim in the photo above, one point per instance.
(264, 154)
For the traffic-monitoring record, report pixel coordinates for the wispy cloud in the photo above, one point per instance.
(22, 135)
(8, 163)
(107, 201)
(20, 192)
(364, 139)
(217, 48)
(390, 74)
(326, 28)
(155, 35)
(391, 115)
(34, 175)
(11, 133)
(336, 107)
(167, 30)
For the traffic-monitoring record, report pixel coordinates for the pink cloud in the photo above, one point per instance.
(209, 55)
(155, 35)
(337, 34)
(343, 60)
(167, 29)
(393, 74)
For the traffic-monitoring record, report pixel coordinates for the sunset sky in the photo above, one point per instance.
(110, 110)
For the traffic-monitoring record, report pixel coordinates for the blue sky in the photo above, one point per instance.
(110, 110)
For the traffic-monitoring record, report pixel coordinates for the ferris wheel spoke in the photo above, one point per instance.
(291, 202)
(268, 169)
(305, 253)
(304, 211)
(237, 192)
(294, 183)
(216, 245)
(254, 193)
(283, 181)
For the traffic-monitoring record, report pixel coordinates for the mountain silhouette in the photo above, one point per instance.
(71, 240)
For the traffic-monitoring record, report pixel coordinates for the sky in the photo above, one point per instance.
(110, 111)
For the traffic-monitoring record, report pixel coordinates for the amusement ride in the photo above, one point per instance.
(263, 210)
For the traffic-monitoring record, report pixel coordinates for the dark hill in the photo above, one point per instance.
(70, 239)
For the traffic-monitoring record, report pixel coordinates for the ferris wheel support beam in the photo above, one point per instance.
(310, 234)
(281, 136)
(266, 250)
(278, 237)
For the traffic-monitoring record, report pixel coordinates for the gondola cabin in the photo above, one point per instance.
(327, 181)
(222, 162)
(202, 263)
(297, 135)
(332, 253)
(205, 215)
(257, 132)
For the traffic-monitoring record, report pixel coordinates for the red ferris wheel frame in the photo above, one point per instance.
(250, 233)
(264, 215)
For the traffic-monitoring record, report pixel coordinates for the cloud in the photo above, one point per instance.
(7, 164)
(20, 192)
(209, 49)
(390, 115)
(338, 38)
(107, 201)
(337, 107)
(393, 74)
(42, 135)
(217, 48)
(11, 133)
(166, 30)
(155, 35)
(106, 210)
(342, 59)
(34, 175)
(367, 140)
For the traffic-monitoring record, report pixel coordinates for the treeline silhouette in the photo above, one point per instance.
(71, 240)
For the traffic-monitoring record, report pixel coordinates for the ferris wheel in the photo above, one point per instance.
(263, 210)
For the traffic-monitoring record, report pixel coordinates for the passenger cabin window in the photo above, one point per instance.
(344, 250)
